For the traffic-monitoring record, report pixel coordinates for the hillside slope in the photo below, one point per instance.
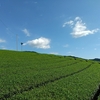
(35, 76)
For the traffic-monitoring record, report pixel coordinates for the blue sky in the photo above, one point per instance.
(63, 27)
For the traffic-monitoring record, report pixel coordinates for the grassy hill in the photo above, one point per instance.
(35, 76)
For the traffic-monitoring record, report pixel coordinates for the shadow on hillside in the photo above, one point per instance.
(96, 95)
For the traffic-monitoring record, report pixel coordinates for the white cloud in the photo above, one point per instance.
(77, 18)
(2, 41)
(41, 42)
(79, 28)
(26, 32)
(69, 23)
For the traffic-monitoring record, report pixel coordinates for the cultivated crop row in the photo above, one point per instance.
(80, 86)
(23, 73)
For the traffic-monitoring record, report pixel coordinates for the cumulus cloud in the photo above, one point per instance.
(41, 42)
(2, 41)
(26, 32)
(77, 18)
(79, 29)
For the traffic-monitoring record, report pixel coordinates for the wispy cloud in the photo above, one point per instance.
(2, 41)
(79, 29)
(66, 46)
(69, 52)
(95, 48)
(55, 53)
(69, 23)
(26, 32)
(41, 42)
(97, 44)
(77, 48)
(82, 48)
(3, 47)
(35, 2)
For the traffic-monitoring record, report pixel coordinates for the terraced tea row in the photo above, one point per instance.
(22, 73)
(80, 86)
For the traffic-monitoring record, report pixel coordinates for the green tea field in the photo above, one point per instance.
(35, 76)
